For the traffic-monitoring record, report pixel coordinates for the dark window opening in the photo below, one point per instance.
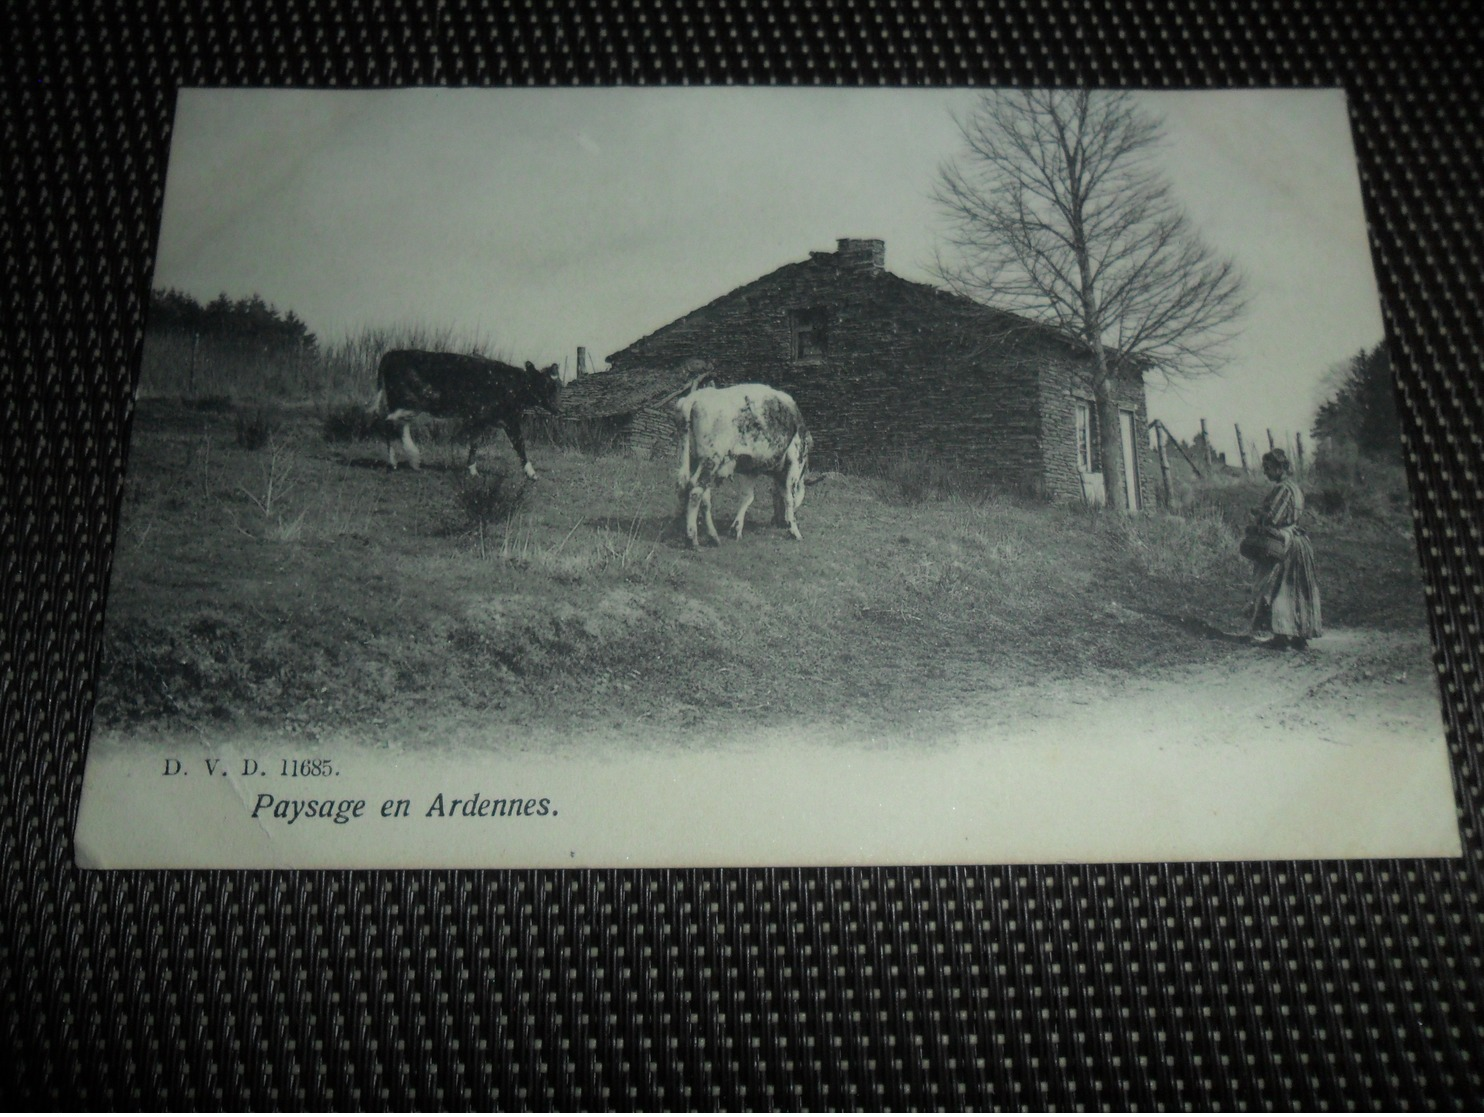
(809, 333)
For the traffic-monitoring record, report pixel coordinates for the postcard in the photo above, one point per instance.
(720, 477)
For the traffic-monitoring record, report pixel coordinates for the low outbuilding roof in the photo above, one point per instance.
(606, 394)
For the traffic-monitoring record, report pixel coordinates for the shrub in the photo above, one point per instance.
(1371, 500)
(1347, 483)
(254, 429)
(351, 422)
(490, 499)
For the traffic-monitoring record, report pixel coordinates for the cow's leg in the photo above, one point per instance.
(512, 428)
(471, 463)
(414, 455)
(749, 493)
(692, 510)
(401, 417)
(710, 524)
(788, 484)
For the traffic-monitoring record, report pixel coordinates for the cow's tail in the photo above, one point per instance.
(378, 405)
(682, 462)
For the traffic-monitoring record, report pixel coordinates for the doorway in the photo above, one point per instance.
(1128, 429)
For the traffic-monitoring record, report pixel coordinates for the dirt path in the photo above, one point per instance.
(1349, 678)
(1335, 752)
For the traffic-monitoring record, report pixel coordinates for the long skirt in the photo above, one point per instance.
(1286, 592)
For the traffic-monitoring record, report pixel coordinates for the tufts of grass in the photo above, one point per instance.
(912, 478)
(571, 559)
(594, 437)
(919, 477)
(988, 535)
(490, 499)
(1188, 549)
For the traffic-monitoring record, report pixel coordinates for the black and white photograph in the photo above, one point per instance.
(722, 476)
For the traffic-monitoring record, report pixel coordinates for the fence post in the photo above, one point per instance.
(1164, 463)
(1241, 446)
(1271, 444)
(1176, 443)
(191, 376)
(1206, 443)
(1299, 442)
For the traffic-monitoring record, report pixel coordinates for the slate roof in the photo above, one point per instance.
(953, 309)
(605, 394)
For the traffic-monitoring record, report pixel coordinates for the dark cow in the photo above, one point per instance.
(484, 394)
(750, 430)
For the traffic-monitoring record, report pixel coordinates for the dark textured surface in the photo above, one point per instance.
(901, 349)
(1263, 985)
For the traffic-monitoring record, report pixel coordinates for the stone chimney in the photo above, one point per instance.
(854, 253)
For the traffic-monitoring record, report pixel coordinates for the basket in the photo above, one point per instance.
(1263, 544)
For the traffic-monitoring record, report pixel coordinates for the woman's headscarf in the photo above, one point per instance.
(1279, 460)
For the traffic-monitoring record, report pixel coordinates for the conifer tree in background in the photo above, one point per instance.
(1362, 411)
(249, 319)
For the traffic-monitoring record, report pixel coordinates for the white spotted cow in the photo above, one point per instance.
(482, 393)
(747, 429)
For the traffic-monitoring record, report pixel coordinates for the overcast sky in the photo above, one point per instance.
(536, 221)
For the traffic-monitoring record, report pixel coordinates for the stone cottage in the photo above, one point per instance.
(883, 367)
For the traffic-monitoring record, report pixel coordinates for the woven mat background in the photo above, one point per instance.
(1261, 985)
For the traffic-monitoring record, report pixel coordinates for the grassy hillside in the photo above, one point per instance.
(301, 586)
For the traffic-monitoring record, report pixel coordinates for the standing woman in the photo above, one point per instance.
(1286, 594)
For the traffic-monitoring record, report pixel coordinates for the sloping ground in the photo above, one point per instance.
(302, 587)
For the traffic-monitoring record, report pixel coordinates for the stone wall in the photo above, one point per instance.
(1065, 383)
(654, 432)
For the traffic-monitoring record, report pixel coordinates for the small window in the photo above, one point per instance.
(809, 333)
(1089, 457)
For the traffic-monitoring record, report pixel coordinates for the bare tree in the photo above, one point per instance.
(1057, 211)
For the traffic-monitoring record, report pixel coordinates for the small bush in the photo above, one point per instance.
(254, 429)
(1366, 501)
(490, 499)
(351, 422)
(1347, 483)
